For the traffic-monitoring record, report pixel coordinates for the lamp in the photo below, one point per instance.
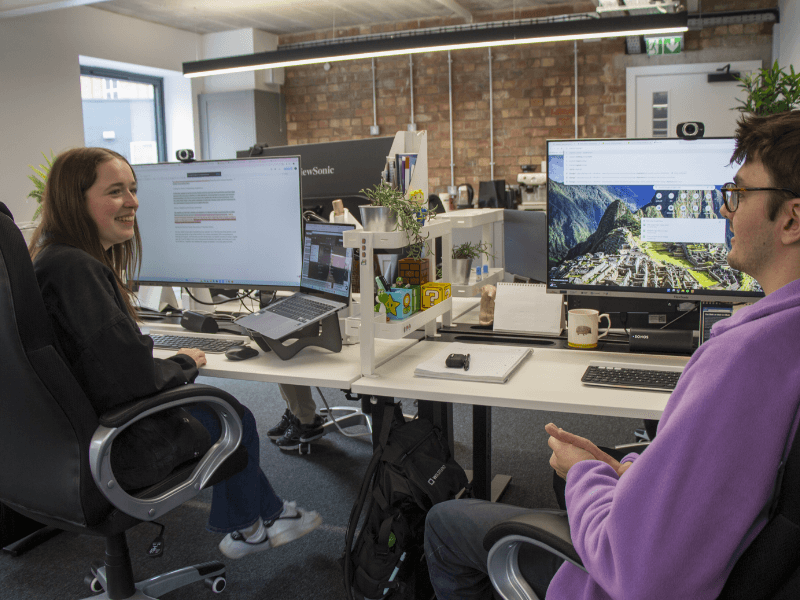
(575, 27)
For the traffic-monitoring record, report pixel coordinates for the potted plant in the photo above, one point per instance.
(770, 91)
(39, 180)
(463, 255)
(386, 203)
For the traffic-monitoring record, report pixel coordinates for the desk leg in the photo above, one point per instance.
(376, 410)
(441, 415)
(483, 485)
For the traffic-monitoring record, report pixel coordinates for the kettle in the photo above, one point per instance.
(464, 196)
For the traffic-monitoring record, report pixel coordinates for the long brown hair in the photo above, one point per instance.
(66, 218)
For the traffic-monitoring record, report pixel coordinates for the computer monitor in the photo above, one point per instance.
(230, 224)
(641, 218)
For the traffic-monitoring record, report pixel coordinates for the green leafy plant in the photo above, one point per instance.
(408, 216)
(470, 250)
(39, 180)
(770, 91)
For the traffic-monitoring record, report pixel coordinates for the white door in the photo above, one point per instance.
(658, 98)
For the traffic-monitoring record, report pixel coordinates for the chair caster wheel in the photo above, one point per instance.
(215, 584)
(304, 448)
(93, 583)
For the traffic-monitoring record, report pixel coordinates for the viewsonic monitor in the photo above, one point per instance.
(641, 218)
(230, 224)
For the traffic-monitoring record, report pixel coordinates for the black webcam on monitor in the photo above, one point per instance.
(691, 130)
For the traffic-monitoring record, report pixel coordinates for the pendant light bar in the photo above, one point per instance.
(582, 29)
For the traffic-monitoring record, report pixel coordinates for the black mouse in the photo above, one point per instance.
(240, 353)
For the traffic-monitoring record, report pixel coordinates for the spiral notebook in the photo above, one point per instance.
(490, 363)
(528, 308)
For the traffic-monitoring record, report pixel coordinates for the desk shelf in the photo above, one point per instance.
(466, 219)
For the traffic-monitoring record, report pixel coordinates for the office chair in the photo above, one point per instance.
(768, 568)
(56, 466)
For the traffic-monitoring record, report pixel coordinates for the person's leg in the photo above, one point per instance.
(454, 533)
(306, 426)
(246, 507)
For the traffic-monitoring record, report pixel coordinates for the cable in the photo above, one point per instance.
(680, 317)
(242, 297)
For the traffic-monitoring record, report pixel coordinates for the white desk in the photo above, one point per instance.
(548, 379)
(312, 366)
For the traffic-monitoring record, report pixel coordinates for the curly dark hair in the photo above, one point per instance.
(774, 141)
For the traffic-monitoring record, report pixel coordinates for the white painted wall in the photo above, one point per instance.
(40, 98)
(788, 31)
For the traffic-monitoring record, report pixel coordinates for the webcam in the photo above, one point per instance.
(185, 155)
(690, 130)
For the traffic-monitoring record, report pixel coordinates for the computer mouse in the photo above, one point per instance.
(240, 353)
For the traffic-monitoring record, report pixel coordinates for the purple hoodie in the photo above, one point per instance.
(678, 519)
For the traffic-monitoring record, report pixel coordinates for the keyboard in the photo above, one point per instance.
(206, 344)
(300, 309)
(626, 375)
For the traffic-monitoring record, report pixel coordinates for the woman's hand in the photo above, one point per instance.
(198, 356)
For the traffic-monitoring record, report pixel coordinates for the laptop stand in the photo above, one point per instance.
(325, 334)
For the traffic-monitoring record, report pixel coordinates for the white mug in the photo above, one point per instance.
(582, 326)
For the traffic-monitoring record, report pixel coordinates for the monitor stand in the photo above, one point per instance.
(202, 294)
(325, 334)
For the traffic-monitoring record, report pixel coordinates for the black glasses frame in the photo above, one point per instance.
(730, 194)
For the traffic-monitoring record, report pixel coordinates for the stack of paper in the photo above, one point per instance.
(488, 363)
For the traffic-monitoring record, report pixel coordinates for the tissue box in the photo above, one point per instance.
(433, 293)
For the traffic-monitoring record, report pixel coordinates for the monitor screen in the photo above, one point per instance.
(327, 264)
(641, 217)
(232, 224)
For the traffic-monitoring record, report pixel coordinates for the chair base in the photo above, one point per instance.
(212, 573)
(346, 416)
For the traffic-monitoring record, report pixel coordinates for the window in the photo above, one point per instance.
(124, 112)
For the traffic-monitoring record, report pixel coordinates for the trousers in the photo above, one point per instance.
(244, 498)
(299, 401)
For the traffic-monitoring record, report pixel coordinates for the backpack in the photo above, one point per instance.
(410, 471)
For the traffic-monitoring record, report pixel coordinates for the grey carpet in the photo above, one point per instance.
(327, 480)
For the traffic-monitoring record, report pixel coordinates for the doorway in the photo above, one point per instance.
(660, 97)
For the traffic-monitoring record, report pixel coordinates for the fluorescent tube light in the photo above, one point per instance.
(439, 40)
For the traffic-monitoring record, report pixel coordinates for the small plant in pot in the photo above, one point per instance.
(463, 255)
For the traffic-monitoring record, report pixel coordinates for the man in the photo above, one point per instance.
(672, 522)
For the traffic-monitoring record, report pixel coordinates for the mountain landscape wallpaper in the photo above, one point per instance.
(595, 237)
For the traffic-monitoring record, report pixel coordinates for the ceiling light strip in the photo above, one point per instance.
(506, 36)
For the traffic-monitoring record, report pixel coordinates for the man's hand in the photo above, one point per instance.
(569, 449)
(198, 356)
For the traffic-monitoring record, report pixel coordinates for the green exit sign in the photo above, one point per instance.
(664, 45)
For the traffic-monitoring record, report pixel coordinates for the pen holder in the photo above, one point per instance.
(433, 293)
(398, 303)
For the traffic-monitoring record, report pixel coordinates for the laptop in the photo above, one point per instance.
(324, 285)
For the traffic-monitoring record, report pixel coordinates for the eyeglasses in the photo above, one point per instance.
(730, 194)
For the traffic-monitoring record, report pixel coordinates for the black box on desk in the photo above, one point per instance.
(669, 341)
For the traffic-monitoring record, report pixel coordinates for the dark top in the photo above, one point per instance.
(111, 359)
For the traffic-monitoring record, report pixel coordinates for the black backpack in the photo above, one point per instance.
(410, 471)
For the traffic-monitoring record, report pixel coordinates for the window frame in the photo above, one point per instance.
(158, 98)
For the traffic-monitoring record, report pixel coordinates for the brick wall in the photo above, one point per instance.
(533, 94)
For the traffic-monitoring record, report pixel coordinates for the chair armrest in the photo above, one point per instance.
(117, 420)
(547, 529)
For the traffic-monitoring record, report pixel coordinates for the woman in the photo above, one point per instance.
(86, 243)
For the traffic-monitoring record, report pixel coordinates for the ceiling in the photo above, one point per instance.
(286, 16)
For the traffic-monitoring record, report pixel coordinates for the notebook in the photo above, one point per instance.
(490, 363)
(528, 308)
(324, 285)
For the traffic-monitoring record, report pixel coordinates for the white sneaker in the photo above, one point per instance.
(293, 523)
(235, 545)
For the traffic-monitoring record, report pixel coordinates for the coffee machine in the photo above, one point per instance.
(532, 187)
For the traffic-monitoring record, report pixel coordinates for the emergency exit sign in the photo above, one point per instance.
(664, 45)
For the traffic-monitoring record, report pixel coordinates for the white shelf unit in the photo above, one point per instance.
(370, 329)
(377, 328)
(483, 218)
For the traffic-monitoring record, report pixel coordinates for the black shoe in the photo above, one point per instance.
(312, 431)
(298, 433)
(277, 432)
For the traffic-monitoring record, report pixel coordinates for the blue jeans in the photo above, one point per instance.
(454, 532)
(240, 500)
